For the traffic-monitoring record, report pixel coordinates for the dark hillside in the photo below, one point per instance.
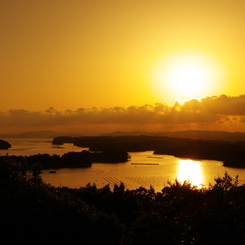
(33, 212)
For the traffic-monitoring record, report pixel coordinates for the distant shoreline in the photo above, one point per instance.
(232, 154)
(192, 134)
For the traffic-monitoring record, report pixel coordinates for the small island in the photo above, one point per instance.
(83, 159)
(4, 145)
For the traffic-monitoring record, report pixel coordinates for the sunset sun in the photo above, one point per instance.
(188, 77)
(185, 75)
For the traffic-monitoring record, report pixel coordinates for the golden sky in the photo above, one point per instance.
(107, 54)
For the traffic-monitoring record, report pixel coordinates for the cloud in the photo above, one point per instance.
(216, 110)
(224, 105)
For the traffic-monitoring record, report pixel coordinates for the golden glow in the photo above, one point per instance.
(100, 53)
(189, 170)
(188, 74)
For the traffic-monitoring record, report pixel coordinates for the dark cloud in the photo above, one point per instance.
(224, 105)
(215, 110)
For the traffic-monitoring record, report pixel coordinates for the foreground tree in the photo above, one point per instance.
(32, 212)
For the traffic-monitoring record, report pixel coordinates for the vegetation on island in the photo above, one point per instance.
(81, 159)
(33, 212)
(231, 153)
(4, 145)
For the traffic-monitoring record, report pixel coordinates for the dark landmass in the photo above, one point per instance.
(191, 134)
(36, 134)
(231, 153)
(33, 212)
(82, 159)
(60, 140)
(4, 145)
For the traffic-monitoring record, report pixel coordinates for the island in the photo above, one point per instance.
(83, 159)
(231, 153)
(4, 145)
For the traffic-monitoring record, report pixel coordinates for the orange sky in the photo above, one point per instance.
(105, 54)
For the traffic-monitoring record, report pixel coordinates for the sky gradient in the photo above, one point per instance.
(80, 63)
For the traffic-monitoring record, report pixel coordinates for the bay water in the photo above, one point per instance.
(143, 169)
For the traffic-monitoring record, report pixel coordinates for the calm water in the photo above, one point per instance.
(144, 168)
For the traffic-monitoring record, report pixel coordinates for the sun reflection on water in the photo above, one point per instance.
(191, 171)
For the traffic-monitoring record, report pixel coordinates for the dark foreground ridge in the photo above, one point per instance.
(231, 153)
(33, 212)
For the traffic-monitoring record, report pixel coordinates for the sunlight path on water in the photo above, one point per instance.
(144, 168)
(191, 171)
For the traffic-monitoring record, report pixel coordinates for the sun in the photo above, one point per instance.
(186, 75)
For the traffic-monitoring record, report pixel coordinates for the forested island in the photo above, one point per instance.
(4, 145)
(81, 159)
(231, 153)
(33, 212)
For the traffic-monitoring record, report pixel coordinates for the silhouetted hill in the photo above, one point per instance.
(37, 134)
(191, 134)
(133, 133)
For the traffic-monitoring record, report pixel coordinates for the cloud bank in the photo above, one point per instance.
(210, 113)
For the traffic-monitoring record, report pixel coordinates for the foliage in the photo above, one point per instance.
(226, 182)
(34, 212)
(83, 159)
(4, 144)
